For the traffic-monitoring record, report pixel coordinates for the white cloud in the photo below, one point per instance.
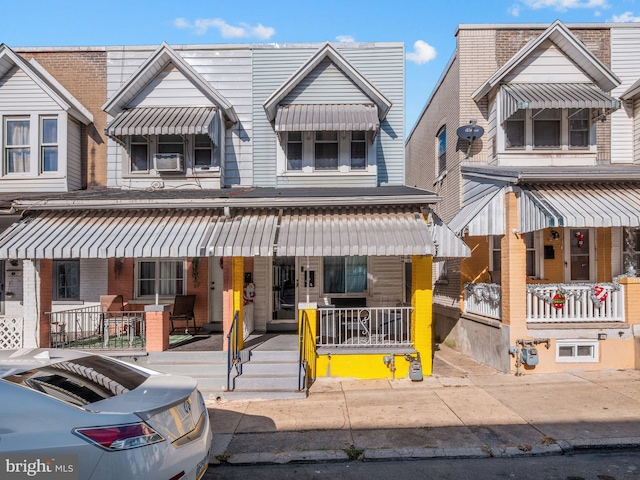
(625, 17)
(345, 38)
(200, 26)
(422, 53)
(514, 10)
(564, 5)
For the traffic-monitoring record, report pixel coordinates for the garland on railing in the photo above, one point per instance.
(487, 292)
(567, 290)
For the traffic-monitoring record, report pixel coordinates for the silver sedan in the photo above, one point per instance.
(94, 417)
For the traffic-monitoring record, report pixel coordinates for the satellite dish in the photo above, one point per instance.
(470, 132)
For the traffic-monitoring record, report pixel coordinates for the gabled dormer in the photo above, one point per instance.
(327, 116)
(546, 101)
(169, 124)
(40, 128)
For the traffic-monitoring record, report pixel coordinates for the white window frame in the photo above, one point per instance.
(538, 249)
(214, 157)
(6, 147)
(344, 156)
(594, 344)
(43, 145)
(157, 261)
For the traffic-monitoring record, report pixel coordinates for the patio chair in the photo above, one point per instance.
(183, 313)
(111, 307)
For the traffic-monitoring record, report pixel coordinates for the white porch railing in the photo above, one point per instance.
(575, 303)
(11, 333)
(364, 327)
(483, 299)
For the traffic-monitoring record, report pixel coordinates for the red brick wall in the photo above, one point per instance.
(84, 75)
(46, 295)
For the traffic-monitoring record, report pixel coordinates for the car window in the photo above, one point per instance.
(81, 381)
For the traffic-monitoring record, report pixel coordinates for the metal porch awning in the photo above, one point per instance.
(483, 216)
(520, 96)
(361, 231)
(336, 117)
(579, 205)
(165, 121)
(140, 234)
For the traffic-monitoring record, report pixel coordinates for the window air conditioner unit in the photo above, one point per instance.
(168, 162)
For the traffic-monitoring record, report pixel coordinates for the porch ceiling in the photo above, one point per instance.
(579, 205)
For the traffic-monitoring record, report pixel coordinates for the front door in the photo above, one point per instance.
(284, 291)
(580, 255)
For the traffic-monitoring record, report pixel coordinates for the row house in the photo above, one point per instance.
(530, 137)
(262, 186)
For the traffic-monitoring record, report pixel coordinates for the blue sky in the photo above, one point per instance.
(426, 27)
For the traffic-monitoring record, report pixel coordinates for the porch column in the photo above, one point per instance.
(31, 299)
(514, 271)
(422, 303)
(237, 287)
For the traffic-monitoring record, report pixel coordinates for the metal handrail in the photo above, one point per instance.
(307, 351)
(302, 364)
(233, 347)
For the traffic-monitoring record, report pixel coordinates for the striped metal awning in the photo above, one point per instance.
(483, 216)
(579, 205)
(139, 233)
(338, 117)
(522, 96)
(169, 233)
(360, 231)
(164, 121)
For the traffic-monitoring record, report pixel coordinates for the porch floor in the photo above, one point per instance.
(272, 342)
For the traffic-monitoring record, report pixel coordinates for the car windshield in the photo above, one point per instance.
(81, 381)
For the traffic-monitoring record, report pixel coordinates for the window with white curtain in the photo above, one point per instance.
(17, 151)
(167, 274)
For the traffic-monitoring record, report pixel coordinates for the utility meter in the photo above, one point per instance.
(529, 356)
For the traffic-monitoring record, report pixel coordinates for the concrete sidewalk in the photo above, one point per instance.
(465, 410)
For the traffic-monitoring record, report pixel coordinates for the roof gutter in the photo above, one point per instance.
(287, 202)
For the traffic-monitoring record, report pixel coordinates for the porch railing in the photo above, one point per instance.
(575, 303)
(364, 327)
(483, 299)
(89, 328)
(233, 350)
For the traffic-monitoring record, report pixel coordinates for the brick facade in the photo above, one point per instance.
(84, 74)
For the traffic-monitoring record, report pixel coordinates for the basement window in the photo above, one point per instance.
(568, 351)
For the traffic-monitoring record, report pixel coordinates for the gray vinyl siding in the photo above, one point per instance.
(326, 84)
(636, 131)
(74, 154)
(20, 94)
(228, 70)
(381, 64)
(387, 281)
(625, 43)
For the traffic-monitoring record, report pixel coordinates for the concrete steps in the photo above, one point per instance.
(267, 375)
(208, 368)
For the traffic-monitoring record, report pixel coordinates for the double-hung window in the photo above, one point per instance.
(139, 154)
(358, 150)
(578, 128)
(326, 150)
(17, 150)
(204, 152)
(294, 151)
(166, 277)
(48, 144)
(66, 280)
(546, 127)
(345, 274)
(170, 144)
(515, 130)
